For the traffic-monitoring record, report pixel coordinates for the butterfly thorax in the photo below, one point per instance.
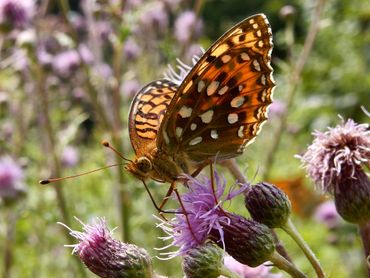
(159, 166)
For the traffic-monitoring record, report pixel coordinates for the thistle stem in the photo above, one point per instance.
(283, 264)
(291, 230)
(365, 237)
(228, 273)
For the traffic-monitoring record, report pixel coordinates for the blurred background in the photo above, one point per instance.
(68, 72)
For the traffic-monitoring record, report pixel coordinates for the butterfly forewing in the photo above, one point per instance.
(222, 103)
(147, 111)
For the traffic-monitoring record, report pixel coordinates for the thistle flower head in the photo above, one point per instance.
(203, 212)
(337, 154)
(327, 214)
(11, 179)
(247, 241)
(187, 26)
(16, 13)
(108, 257)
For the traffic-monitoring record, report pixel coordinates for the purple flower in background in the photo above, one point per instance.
(108, 257)
(187, 26)
(86, 54)
(16, 13)
(245, 271)
(277, 108)
(337, 153)
(327, 214)
(65, 63)
(11, 178)
(70, 156)
(154, 17)
(130, 87)
(104, 29)
(131, 49)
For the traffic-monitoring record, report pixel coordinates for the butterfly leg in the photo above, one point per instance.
(185, 213)
(200, 168)
(158, 208)
(212, 172)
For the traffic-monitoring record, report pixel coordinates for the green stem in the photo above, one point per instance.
(281, 263)
(290, 229)
(228, 273)
(10, 222)
(365, 237)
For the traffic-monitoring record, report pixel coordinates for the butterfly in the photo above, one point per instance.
(217, 109)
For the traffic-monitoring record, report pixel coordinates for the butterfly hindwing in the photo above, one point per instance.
(147, 111)
(222, 103)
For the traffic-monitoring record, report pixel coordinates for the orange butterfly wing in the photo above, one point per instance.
(147, 111)
(222, 103)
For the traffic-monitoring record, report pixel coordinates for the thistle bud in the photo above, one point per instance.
(203, 262)
(352, 198)
(268, 204)
(247, 241)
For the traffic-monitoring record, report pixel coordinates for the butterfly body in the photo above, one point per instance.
(212, 112)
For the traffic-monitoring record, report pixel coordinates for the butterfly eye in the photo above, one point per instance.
(144, 164)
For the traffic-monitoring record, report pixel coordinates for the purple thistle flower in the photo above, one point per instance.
(130, 87)
(337, 154)
(65, 63)
(16, 13)
(327, 214)
(245, 271)
(106, 256)
(247, 241)
(11, 179)
(70, 156)
(154, 17)
(187, 26)
(131, 49)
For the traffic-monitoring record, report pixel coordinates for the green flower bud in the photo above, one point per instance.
(203, 262)
(268, 204)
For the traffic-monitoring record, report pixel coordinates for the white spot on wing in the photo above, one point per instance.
(201, 86)
(225, 58)
(256, 65)
(255, 26)
(185, 112)
(240, 131)
(232, 118)
(263, 79)
(214, 134)
(245, 56)
(237, 101)
(193, 126)
(223, 90)
(211, 89)
(195, 141)
(207, 116)
(179, 131)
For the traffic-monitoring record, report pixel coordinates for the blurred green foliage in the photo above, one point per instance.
(335, 80)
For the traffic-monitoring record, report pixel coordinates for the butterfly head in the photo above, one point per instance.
(140, 167)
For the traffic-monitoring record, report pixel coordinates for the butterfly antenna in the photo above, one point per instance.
(78, 175)
(107, 145)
